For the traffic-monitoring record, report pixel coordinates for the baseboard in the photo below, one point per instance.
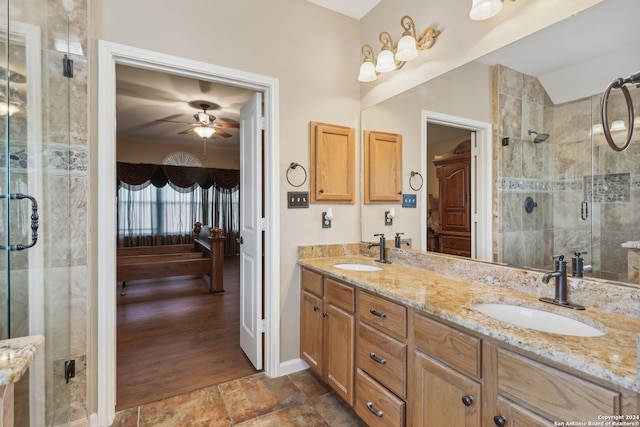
(291, 366)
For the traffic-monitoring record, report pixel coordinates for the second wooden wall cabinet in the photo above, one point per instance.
(382, 167)
(333, 163)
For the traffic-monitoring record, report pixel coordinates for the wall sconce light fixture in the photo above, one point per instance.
(388, 216)
(393, 57)
(485, 9)
(326, 218)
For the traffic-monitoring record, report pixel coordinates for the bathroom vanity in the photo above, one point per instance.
(404, 345)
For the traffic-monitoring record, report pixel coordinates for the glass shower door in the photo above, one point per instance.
(34, 201)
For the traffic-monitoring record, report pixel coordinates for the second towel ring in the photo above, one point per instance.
(619, 83)
(413, 174)
(293, 166)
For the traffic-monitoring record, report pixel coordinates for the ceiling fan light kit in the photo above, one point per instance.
(393, 57)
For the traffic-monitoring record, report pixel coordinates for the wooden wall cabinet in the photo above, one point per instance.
(327, 331)
(332, 175)
(382, 167)
(453, 170)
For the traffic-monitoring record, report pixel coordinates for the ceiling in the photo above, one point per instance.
(354, 8)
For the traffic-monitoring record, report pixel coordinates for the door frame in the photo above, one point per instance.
(110, 54)
(481, 181)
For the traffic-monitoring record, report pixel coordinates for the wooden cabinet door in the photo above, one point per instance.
(515, 415)
(440, 395)
(332, 163)
(382, 167)
(455, 197)
(311, 327)
(339, 338)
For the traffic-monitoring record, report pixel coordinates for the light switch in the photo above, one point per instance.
(297, 199)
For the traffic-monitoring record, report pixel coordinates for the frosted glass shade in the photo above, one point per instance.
(204, 132)
(484, 9)
(406, 50)
(367, 72)
(385, 62)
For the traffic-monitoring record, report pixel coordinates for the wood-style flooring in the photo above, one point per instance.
(174, 337)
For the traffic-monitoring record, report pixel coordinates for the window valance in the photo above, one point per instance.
(181, 178)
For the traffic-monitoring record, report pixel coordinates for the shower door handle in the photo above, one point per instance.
(34, 221)
(584, 210)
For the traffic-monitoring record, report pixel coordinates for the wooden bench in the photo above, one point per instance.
(204, 257)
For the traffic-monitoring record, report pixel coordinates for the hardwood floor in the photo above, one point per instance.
(174, 337)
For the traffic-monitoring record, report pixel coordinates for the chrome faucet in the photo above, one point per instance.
(560, 274)
(399, 242)
(382, 244)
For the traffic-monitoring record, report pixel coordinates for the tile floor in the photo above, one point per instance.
(299, 399)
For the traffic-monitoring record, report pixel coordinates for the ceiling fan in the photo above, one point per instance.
(205, 126)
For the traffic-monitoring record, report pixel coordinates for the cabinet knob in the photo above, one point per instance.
(377, 359)
(499, 420)
(316, 308)
(325, 314)
(467, 400)
(321, 190)
(378, 414)
(377, 313)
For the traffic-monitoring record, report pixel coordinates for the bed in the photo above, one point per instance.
(204, 257)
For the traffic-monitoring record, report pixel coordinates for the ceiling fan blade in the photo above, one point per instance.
(173, 121)
(227, 125)
(222, 133)
(186, 131)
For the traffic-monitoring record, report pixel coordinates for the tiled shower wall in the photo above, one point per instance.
(558, 174)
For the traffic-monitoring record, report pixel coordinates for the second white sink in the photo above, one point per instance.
(358, 267)
(539, 320)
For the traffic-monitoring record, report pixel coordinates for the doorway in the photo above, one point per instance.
(111, 54)
(481, 179)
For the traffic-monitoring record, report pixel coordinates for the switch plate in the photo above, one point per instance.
(297, 199)
(408, 200)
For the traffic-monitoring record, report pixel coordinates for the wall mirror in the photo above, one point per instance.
(555, 187)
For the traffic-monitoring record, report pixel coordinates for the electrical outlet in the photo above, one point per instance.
(297, 199)
(408, 200)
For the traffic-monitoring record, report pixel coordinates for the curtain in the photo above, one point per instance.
(150, 216)
(182, 178)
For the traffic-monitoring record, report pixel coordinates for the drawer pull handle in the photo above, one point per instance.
(378, 414)
(376, 313)
(499, 420)
(467, 400)
(377, 359)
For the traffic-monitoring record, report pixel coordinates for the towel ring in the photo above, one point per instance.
(413, 174)
(293, 166)
(619, 83)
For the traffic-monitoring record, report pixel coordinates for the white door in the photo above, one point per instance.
(251, 230)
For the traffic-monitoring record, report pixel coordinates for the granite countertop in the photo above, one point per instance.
(16, 355)
(611, 357)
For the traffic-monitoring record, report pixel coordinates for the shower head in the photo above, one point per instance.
(540, 137)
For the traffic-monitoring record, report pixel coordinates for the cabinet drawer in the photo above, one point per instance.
(552, 392)
(376, 405)
(455, 245)
(311, 282)
(384, 358)
(340, 295)
(383, 314)
(453, 347)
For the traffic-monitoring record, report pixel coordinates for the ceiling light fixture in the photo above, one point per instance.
(204, 131)
(393, 57)
(485, 9)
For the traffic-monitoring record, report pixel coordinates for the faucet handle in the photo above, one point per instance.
(577, 254)
(381, 235)
(558, 257)
(399, 234)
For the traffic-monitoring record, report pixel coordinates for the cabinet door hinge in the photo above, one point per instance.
(262, 326)
(261, 122)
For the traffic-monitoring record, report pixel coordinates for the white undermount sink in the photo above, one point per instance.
(357, 267)
(539, 320)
